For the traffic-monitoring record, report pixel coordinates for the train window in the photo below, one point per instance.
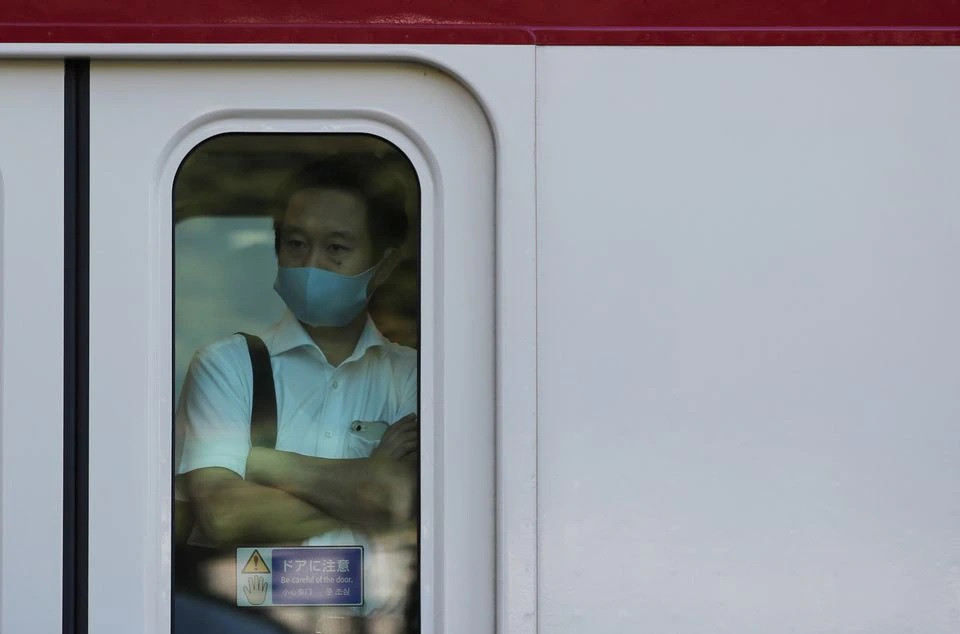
(296, 450)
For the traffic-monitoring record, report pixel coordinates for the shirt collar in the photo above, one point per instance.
(288, 334)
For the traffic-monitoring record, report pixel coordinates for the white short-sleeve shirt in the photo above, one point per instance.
(316, 402)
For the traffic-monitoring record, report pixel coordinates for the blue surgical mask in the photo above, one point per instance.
(323, 298)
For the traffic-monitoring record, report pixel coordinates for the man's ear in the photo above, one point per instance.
(389, 261)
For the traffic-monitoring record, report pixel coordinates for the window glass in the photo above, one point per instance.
(296, 444)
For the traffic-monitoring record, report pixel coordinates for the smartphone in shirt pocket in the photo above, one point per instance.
(364, 436)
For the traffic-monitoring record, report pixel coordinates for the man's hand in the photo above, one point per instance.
(401, 441)
(388, 490)
(394, 464)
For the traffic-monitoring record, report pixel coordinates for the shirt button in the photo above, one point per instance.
(328, 434)
(334, 385)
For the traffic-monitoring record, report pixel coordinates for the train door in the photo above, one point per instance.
(205, 184)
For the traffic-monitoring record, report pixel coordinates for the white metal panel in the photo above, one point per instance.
(431, 119)
(747, 317)
(31, 346)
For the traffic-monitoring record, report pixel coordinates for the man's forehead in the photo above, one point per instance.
(326, 209)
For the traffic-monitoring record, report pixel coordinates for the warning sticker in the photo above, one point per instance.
(255, 564)
(307, 575)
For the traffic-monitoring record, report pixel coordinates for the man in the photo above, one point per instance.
(340, 385)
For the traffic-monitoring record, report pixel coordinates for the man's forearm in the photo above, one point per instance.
(363, 490)
(234, 511)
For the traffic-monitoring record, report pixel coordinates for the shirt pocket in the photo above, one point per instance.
(363, 437)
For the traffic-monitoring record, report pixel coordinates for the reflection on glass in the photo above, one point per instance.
(297, 437)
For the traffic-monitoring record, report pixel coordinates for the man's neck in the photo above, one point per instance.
(338, 342)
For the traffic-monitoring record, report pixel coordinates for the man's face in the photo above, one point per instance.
(326, 229)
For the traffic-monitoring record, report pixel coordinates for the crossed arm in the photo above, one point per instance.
(288, 497)
(232, 510)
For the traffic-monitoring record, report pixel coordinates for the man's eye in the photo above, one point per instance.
(295, 243)
(337, 248)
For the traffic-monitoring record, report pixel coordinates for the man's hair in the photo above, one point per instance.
(386, 215)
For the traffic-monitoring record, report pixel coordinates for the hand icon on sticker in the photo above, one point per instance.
(255, 589)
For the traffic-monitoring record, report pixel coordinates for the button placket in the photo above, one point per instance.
(323, 408)
(333, 384)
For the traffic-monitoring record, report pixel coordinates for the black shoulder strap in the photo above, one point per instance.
(263, 414)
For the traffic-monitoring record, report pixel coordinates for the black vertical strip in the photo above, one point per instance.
(76, 282)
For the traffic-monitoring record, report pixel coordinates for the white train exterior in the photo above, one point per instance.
(689, 325)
